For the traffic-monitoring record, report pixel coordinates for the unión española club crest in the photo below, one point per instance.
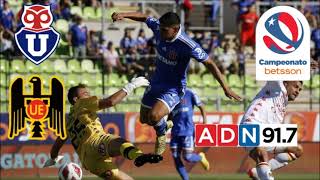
(36, 108)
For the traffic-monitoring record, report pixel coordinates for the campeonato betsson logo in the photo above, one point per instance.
(285, 33)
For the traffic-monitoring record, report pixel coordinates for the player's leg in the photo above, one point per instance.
(119, 146)
(148, 100)
(155, 105)
(176, 155)
(252, 41)
(148, 117)
(187, 144)
(191, 157)
(160, 127)
(76, 52)
(297, 151)
(83, 51)
(157, 119)
(283, 156)
(243, 38)
(97, 162)
(263, 169)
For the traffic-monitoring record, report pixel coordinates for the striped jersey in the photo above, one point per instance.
(269, 106)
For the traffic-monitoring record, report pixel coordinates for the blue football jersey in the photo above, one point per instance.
(182, 114)
(173, 57)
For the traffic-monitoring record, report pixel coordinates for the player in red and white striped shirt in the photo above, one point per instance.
(269, 107)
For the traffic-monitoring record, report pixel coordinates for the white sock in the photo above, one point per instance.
(281, 159)
(274, 164)
(264, 171)
(161, 122)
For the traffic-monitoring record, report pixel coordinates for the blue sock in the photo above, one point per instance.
(180, 168)
(192, 157)
(161, 127)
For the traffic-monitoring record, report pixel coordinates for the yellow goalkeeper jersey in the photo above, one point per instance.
(83, 125)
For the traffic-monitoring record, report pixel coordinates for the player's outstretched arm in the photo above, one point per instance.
(136, 16)
(54, 152)
(56, 147)
(203, 114)
(126, 90)
(112, 100)
(212, 67)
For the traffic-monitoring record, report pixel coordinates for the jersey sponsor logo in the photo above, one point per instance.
(172, 55)
(183, 101)
(183, 109)
(36, 108)
(282, 45)
(37, 39)
(245, 135)
(167, 61)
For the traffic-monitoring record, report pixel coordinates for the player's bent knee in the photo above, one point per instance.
(154, 116)
(175, 153)
(299, 151)
(187, 157)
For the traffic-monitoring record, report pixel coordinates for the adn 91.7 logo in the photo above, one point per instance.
(232, 135)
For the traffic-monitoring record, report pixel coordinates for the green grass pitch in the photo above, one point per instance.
(202, 177)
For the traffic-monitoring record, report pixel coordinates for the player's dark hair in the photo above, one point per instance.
(299, 81)
(73, 92)
(169, 19)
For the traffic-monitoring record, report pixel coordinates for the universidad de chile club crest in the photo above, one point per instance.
(37, 39)
(285, 30)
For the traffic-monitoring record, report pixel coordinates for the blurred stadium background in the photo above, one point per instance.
(116, 52)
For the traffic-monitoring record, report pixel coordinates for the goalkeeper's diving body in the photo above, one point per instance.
(94, 146)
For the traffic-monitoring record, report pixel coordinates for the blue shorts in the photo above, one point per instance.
(182, 142)
(169, 96)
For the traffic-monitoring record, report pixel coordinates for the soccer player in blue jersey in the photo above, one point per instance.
(167, 87)
(182, 133)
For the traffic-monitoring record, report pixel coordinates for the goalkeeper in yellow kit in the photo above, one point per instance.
(95, 147)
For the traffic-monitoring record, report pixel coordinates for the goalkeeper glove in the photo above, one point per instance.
(135, 83)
